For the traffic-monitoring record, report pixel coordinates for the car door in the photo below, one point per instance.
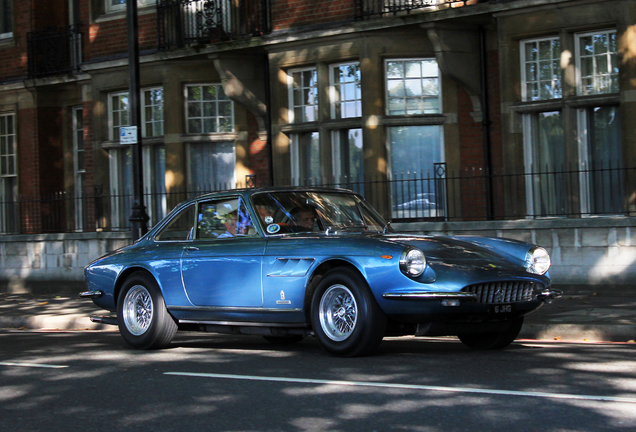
(222, 266)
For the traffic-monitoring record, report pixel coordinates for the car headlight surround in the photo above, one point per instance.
(537, 260)
(412, 262)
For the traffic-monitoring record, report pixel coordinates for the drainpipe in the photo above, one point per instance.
(485, 123)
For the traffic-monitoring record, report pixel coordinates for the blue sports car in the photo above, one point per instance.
(287, 263)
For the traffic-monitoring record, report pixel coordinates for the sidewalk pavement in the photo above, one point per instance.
(585, 313)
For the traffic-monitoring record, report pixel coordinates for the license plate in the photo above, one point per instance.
(502, 309)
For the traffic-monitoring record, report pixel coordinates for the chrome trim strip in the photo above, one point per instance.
(105, 320)
(91, 294)
(427, 295)
(229, 309)
(244, 324)
(549, 295)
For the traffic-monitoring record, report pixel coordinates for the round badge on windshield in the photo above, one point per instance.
(273, 229)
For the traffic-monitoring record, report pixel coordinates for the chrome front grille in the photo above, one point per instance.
(502, 292)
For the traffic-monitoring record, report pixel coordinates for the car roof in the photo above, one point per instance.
(246, 192)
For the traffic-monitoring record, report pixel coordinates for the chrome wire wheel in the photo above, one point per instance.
(138, 310)
(338, 312)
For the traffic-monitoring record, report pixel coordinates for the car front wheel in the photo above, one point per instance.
(142, 317)
(493, 340)
(345, 317)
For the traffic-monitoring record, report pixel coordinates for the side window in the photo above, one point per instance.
(180, 227)
(224, 219)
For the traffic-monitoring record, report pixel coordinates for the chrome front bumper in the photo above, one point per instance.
(91, 294)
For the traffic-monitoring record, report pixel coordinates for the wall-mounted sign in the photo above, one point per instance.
(128, 135)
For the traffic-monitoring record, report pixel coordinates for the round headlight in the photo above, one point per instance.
(537, 260)
(412, 262)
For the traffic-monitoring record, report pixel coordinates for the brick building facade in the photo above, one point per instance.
(435, 110)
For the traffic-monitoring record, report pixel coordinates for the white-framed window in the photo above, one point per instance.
(600, 153)
(305, 158)
(347, 161)
(118, 5)
(541, 69)
(344, 91)
(154, 162)
(79, 169)
(544, 143)
(8, 174)
(412, 86)
(303, 95)
(6, 19)
(211, 166)
(414, 152)
(545, 164)
(151, 112)
(208, 109)
(121, 184)
(597, 62)
(119, 113)
(154, 166)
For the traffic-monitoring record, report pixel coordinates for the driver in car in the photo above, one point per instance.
(304, 217)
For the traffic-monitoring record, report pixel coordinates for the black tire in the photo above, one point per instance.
(494, 340)
(142, 317)
(345, 316)
(284, 339)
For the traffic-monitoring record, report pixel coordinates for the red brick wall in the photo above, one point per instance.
(475, 184)
(296, 13)
(13, 59)
(107, 38)
(49, 13)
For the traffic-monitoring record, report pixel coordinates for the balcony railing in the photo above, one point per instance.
(470, 195)
(370, 9)
(195, 22)
(55, 50)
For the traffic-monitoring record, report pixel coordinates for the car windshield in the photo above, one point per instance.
(309, 211)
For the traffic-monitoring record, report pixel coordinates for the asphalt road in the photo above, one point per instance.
(63, 381)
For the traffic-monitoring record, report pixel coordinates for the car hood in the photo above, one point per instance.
(454, 249)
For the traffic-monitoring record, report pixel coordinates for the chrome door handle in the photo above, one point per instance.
(191, 248)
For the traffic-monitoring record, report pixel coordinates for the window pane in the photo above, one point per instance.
(408, 82)
(180, 228)
(548, 164)
(541, 65)
(209, 106)
(395, 70)
(211, 166)
(347, 158)
(414, 151)
(598, 63)
(605, 160)
(303, 93)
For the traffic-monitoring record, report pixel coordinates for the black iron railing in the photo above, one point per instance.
(575, 192)
(194, 22)
(370, 9)
(54, 50)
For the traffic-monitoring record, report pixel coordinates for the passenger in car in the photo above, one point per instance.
(230, 224)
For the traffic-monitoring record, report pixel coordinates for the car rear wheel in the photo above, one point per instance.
(345, 317)
(142, 317)
(493, 340)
